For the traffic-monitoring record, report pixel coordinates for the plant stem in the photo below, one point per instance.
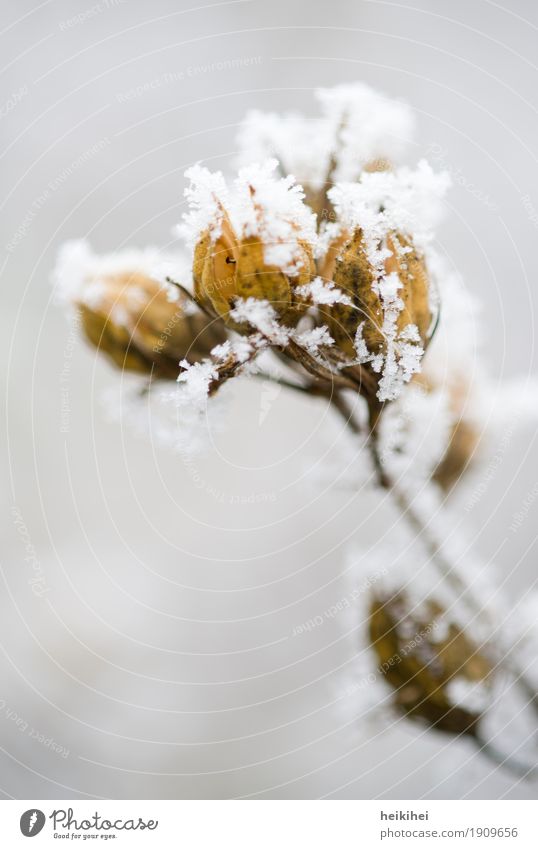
(443, 565)
(190, 297)
(504, 761)
(438, 558)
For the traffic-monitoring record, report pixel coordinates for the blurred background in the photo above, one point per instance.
(148, 606)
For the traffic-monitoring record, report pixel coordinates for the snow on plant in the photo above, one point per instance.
(131, 312)
(358, 128)
(321, 252)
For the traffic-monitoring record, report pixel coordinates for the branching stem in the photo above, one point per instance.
(443, 565)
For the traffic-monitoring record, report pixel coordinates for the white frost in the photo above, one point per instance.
(313, 340)
(259, 205)
(321, 291)
(79, 273)
(261, 316)
(357, 126)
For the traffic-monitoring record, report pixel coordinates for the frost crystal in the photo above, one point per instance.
(403, 350)
(259, 204)
(207, 196)
(261, 315)
(404, 201)
(195, 381)
(313, 340)
(366, 126)
(239, 350)
(321, 291)
(357, 126)
(79, 272)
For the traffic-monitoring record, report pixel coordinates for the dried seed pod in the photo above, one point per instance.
(129, 317)
(230, 268)
(458, 455)
(376, 254)
(464, 436)
(253, 240)
(464, 439)
(437, 673)
(348, 265)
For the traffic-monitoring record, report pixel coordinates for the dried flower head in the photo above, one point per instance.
(358, 129)
(140, 324)
(463, 440)
(254, 242)
(463, 443)
(375, 253)
(436, 671)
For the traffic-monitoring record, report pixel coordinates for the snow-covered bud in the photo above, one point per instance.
(138, 322)
(358, 129)
(401, 286)
(437, 673)
(253, 242)
(230, 268)
(139, 329)
(463, 432)
(376, 254)
(459, 454)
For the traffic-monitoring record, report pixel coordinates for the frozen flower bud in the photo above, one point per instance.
(461, 448)
(437, 673)
(462, 435)
(136, 321)
(376, 254)
(401, 286)
(358, 129)
(253, 242)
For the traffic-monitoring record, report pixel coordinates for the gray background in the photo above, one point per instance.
(160, 654)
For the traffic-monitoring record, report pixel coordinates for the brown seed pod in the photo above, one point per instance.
(423, 668)
(131, 320)
(464, 439)
(347, 264)
(458, 455)
(464, 436)
(230, 268)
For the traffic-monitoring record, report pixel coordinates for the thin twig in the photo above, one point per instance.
(282, 381)
(504, 761)
(443, 564)
(340, 403)
(190, 296)
(318, 370)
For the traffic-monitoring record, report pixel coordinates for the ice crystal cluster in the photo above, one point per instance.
(320, 252)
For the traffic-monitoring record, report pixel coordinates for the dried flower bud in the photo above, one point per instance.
(460, 450)
(255, 241)
(375, 253)
(464, 439)
(355, 276)
(438, 675)
(390, 318)
(229, 268)
(464, 436)
(130, 318)
(357, 126)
